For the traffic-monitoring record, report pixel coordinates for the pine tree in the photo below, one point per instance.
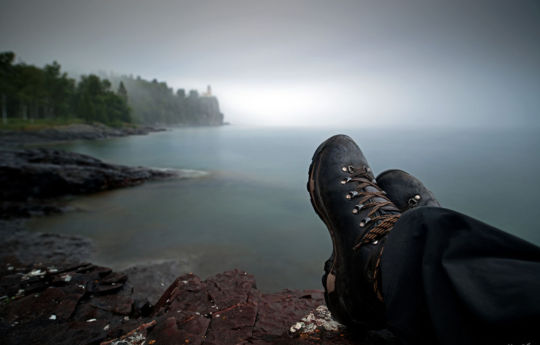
(122, 92)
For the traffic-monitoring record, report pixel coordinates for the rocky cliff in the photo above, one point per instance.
(205, 111)
(155, 102)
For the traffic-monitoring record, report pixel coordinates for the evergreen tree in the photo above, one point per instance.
(32, 92)
(6, 75)
(181, 94)
(122, 92)
(60, 91)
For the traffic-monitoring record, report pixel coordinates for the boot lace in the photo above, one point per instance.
(383, 222)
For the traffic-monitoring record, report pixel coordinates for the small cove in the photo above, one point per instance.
(252, 210)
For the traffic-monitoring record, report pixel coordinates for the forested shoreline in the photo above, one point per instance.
(155, 102)
(29, 93)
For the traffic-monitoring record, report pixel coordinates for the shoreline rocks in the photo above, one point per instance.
(33, 180)
(70, 133)
(89, 304)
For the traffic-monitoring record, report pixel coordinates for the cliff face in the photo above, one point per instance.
(204, 111)
(154, 102)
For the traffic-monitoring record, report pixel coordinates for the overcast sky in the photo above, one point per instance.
(300, 62)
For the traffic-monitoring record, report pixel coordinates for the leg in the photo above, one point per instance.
(446, 278)
(451, 279)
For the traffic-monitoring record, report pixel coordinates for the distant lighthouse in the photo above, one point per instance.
(208, 91)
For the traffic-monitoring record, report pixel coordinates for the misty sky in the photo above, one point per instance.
(300, 62)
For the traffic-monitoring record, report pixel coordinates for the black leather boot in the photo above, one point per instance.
(405, 190)
(358, 216)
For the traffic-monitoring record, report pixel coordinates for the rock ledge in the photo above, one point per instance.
(88, 304)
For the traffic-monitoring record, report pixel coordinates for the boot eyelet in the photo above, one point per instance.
(350, 169)
(357, 208)
(367, 169)
(364, 222)
(347, 180)
(351, 194)
(344, 169)
(413, 201)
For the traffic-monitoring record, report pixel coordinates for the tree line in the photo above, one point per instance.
(29, 92)
(156, 102)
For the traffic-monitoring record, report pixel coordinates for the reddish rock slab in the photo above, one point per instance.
(88, 304)
(227, 309)
(122, 305)
(186, 296)
(53, 303)
(134, 337)
(175, 331)
(230, 288)
(279, 311)
(232, 325)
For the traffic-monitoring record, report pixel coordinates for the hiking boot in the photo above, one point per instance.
(405, 190)
(358, 216)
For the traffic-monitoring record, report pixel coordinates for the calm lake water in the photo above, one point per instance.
(253, 212)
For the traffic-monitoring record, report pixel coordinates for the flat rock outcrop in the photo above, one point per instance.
(28, 177)
(88, 304)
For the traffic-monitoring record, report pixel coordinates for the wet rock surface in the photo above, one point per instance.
(34, 247)
(152, 278)
(32, 180)
(88, 304)
(79, 304)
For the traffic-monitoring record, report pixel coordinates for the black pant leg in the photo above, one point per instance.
(450, 279)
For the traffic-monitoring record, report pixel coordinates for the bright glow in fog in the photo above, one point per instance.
(370, 101)
(300, 104)
(373, 101)
(304, 104)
